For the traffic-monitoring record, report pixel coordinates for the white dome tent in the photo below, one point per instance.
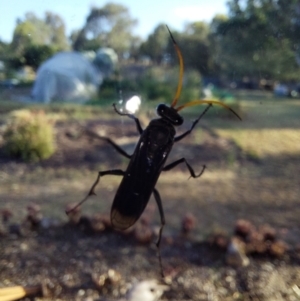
(72, 77)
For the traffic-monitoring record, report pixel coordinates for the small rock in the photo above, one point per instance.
(278, 248)
(143, 233)
(147, 290)
(188, 223)
(235, 255)
(243, 228)
(268, 232)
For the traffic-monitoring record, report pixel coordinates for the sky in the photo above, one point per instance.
(174, 13)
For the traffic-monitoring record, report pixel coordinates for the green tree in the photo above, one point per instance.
(259, 39)
(134, 51)
(4, 49)
(156, 44)
(193, 42)
(57, 33)
(195, 47)
(24, 35)
(109, 26)
(35, 40)
(35, 55)
(35, 31)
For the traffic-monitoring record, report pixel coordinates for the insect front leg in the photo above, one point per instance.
(180, 137)
(136, 120)
(162, 223)
(115, 172)
(191, 170)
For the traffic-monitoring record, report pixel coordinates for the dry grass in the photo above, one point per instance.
(270, 127)
(265, 142)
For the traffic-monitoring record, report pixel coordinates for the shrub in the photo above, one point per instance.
(29, 136)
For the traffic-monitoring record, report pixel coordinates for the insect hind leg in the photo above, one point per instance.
(115, 172)
(163, 221)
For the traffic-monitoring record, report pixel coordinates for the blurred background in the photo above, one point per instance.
(63, 65)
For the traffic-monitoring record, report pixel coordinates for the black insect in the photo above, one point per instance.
(148, 161)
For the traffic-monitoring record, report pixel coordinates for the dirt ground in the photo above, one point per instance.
(67, 258)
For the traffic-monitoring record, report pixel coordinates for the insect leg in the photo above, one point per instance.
(191, 170)
(162, 220)
(115, 172)
(136, 120)
(108, 140)
(180, 137)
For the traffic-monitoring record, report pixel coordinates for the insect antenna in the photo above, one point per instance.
(209, 102)
(181, 69)
(179, 86)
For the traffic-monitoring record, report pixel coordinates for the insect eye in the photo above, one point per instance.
(179, 121)
(160, 109)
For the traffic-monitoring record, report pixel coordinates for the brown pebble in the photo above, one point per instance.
(188, 223)
(268, 232)
(278, 248)
(220, 240)
(143, 234)
(243, 228)
(6, 214)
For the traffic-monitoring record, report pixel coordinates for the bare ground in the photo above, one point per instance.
(233, 186)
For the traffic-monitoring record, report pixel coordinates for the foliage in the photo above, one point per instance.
(35, 31)
(109, 26)
(15, 62)
(57, 37)
(108, 90)
(155, 90)
(29, 136)
(35, 55)
(156, 84)
(195, 47)
(161, 84)
(156, 44)
(259, 39)
(194, 43)
(4, 49)
(35, 40)
(256, 39)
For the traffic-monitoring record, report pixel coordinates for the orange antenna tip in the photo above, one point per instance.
(181, 68)
(211, 102)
